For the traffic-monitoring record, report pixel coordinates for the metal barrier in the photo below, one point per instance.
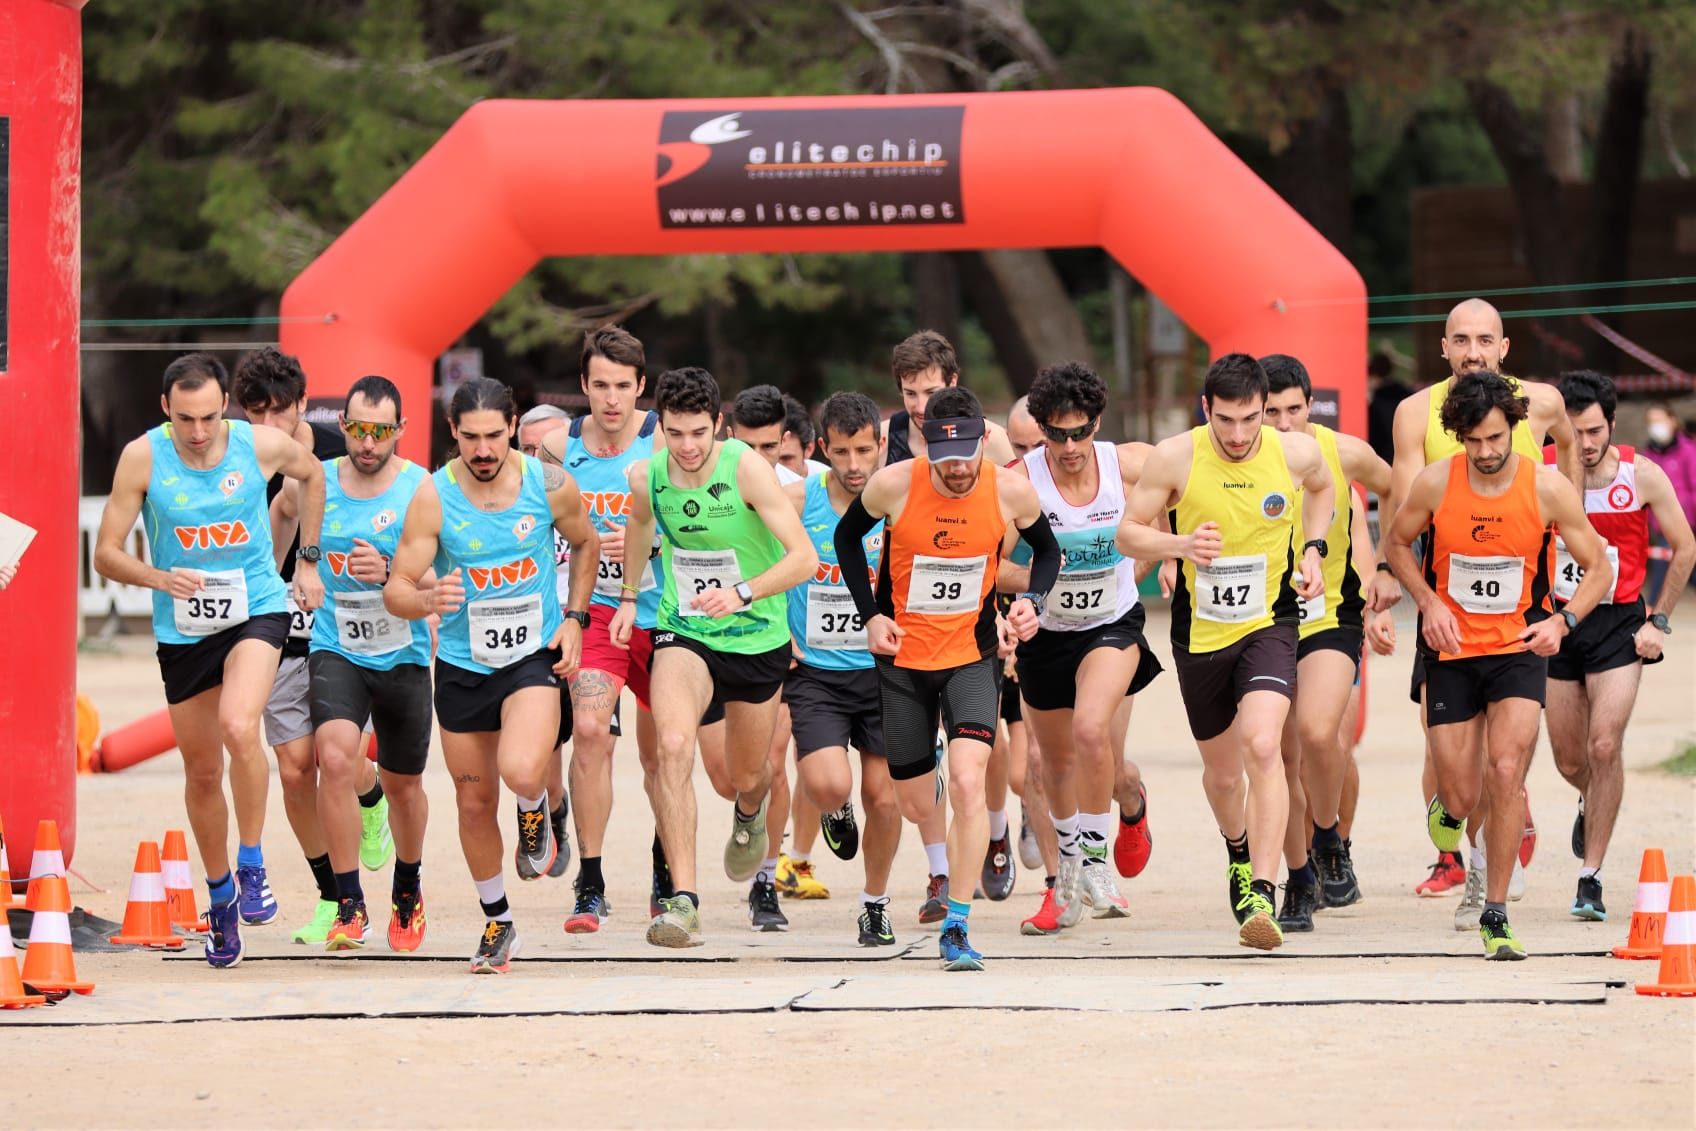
(96, 596)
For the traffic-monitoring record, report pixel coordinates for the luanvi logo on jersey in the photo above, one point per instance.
(871, 166)
(213, 535)
(1483, 532)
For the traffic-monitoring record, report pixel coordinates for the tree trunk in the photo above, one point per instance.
(1313, 172)
(1029, 317)
(936, 293)
(1613, 192)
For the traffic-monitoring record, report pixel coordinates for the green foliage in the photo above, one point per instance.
(1682, 763)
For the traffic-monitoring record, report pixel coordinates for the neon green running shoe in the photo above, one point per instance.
(376, 843)
(677, 925)
(1500, 943)
(323, 918)
(1445, 830)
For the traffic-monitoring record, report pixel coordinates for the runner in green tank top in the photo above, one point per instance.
(731, 546)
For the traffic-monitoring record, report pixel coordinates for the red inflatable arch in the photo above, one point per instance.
(1132, 171)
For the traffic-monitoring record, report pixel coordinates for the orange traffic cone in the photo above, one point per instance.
(12, 992)
(1678, 945)
(5, 874)
(147, 921)
(48, 965)
(1649, 913)
(179, 884)
(49, 858)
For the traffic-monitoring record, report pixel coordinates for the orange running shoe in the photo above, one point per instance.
(1131, 848)
(1046, 921)
(1447, 874)
(406, 922)
(348, 931)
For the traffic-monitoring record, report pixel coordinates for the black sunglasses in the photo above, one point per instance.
(1061, 435)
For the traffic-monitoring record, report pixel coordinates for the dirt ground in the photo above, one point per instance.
(1627, 1062)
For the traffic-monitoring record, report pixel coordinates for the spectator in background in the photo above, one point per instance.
(1675, 452)
(1383, 393)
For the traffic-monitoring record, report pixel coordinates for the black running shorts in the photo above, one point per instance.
(738, 677)
(1049, 661)
(1457, 690)
(1213, 683)
(1348, 641)
(396, 702)
(966, 697)
(190, 669)
(1606, 639)
(832, 707)
(469, 702)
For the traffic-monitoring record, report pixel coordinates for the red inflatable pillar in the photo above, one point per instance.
(40, 432)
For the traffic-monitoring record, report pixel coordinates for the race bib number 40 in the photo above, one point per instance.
(365, 628)
(1231, 590)
(1084, 595)
(696, 571)
(220, 604)
(505, 629)
(1568, 573)
(833, 623)
(1487, 586)
(943, 587)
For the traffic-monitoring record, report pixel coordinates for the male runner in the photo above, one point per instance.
(1593, 679)
(1481, 588)
(1230, 489)
(369, 666)
(923, 363)
(1089, 655)
(731, 546)
(270, 387)
(483, 520)
(933, 623)
(1331, 635)
(799, 441)
(1473, 341)
(832, 690)
(219, 608)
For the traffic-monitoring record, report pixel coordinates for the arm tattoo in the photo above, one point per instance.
(553, 477)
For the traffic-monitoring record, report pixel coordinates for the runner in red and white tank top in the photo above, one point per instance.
(1593, 680)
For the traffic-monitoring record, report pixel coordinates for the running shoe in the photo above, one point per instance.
(677, 925)
(258, 905)
(659, 889)
(1500, 943)
(1578, 830)
(496, 949)
(1257, 925)
(1528, 838)
(406, 922)
(999, 870)
(1337, 884)
(796, 880)
(536, 849)
(562, 837)
(1066, 890)
(1588, 903)
(1299, 901)
(935, 908)
(376, 842)
(1097, 889)
(223, 934)
(1516, 882)
(1471, 901)
(841, 832)
(348, 931)
(1447, 874)
(1238, 878)
(875, 927)
(1134, 843)
(747, 844)
(957, 952)
(1030, 852)
(763, 912)
(315, 932)
(587, 914)
(1444, 830)
(1046, 921)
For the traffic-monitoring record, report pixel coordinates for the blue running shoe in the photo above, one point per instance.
(957, 953)
(258, 905)
(223, 934)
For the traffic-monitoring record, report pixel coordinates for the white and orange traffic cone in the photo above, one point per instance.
(49, 858)
(1649, 912)
(179, 883)
(5, 874)
(1678, 945)
(48, 965)
(12, 992)
(147, 919)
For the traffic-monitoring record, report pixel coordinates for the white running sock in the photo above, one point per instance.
(801, 857)
(493, 890)
(997, 824)
(1093, 831)
(531, 804)
(1478, 860)
(868, 897)
(1589, 873)
(767, 872)
(936, 858)
(1066, 829)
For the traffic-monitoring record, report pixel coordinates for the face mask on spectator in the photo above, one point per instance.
(1660, 434)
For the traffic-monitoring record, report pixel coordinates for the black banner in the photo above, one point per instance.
(1324, 409)
(810, 168)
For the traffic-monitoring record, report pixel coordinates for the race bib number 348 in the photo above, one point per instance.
(505, 629)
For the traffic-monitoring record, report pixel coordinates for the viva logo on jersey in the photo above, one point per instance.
(831, 574)
(607, 504)
(493, 577)
(213, 535)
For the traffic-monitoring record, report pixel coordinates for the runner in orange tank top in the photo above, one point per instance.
(1485, 629)
(932, 623)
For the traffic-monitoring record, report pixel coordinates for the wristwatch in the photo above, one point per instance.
(1384, 567)
(1571, 620)
(308, 553)
(582, 619)
(1659, 620)
(746, 592)
(1037, 600)
(1319, 544)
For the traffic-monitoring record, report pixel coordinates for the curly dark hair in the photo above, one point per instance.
(1067, 387)
(689, 390)
(848, 414)
(1473, 395)
(952, 402)
(1584, 387)
(758, 406)
(267, 378)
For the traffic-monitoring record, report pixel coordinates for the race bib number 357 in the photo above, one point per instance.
(220, 604)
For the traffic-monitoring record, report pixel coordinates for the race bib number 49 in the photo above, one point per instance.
(1568, 573)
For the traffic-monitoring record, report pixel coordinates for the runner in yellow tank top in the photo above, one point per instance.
(1473, 340)
(1328, 655)
(1229, 488)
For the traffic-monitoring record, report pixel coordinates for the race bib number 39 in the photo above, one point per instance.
(943, 587)
(833, 623)
(1231, 590)
(505, 629)
(1568, 573)
(1487, 586)
(697, 571)
(220, 604)
(1084, 595)
(365, 628)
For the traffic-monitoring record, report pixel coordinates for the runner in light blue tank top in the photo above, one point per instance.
(606, 496)
(506, 559)
(215, 521)
(353, 622)
(827, 631)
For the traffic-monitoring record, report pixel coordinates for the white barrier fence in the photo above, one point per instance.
(97, 597)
